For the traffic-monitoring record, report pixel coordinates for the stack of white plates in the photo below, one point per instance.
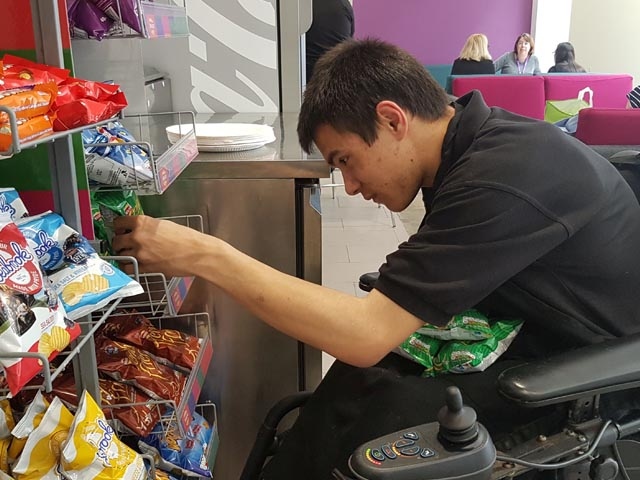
(225, 137)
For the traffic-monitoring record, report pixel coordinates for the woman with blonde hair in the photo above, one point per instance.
(474, 57)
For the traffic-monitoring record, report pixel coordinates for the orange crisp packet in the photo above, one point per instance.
(28, 129)
(28, 102)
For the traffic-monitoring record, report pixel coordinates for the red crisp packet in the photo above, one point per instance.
(19, 72)
(31, 318)
(82, 102)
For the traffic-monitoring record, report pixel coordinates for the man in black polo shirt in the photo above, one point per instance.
(331, 24)
(524, 222)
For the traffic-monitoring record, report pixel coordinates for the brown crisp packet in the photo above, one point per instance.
(177, 347)
(140, 418)
(128, 364)
(121, 322)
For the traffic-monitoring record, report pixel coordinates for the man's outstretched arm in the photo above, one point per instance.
(358, 331)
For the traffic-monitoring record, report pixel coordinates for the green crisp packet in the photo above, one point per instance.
(420, 348)
(107, 205)
(99, 227)
(468, 325)
(466, 356)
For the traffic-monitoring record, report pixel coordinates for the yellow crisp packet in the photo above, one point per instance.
(7, 423)
(27, 424)
(4, 476)
(94, 452)
(4, 458)
(39, 459)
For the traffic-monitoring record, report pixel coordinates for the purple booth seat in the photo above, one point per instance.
(521, 94)
(609, 126)
(609, 90)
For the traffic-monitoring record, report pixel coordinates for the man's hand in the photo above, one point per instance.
(159, 245)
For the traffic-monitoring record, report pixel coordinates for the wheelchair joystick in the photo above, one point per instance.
(456, 446)
(457, 423)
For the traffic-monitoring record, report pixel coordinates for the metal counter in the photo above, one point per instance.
(265, 202)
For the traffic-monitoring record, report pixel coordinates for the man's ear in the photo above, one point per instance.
(392, 117)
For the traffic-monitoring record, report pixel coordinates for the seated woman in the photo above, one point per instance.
(521, 60)
(474, 57)
(565, 58)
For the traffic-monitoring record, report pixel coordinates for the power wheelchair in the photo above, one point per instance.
(590, 444)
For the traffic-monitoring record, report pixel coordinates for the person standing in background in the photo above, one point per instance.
(521, 60)
(565, 58)
(332, 23)
(474, 57)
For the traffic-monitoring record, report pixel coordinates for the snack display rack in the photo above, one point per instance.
(163, 297)
(165, 166)
(157, 19)
(197, 325)
(17, 146)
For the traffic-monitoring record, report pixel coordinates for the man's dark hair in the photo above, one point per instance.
(352, 78)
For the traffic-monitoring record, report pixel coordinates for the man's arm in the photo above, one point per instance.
(358, 331)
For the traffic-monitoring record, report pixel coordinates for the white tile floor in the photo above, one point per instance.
(357, 235)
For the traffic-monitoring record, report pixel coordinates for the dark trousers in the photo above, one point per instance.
(354, 405)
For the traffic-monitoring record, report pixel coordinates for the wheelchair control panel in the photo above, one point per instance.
(454, 447)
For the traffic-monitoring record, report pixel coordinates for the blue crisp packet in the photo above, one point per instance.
(11, 203)
(132, 156)
(83, 281)
(182, 456)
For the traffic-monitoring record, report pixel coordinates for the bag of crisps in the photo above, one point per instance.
(83, 280)
(184, 456)
(31, 317)
(28, 129)
(27, 424)
(11, 203)
(39, 459)
(94, 452)
(468, 325)
(28, 102)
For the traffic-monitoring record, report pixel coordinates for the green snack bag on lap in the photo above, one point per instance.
(466, 356)
(420, 348)
(468, 325)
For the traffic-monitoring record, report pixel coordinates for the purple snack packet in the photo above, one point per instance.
(86, 20)
(122, 10)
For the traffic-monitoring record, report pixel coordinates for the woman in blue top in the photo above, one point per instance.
(521, 60)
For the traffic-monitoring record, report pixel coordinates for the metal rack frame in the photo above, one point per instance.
(147, 13)
(165, 168)
(64, 188)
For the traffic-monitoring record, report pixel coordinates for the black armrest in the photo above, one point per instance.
(368, 281)
(605, 367)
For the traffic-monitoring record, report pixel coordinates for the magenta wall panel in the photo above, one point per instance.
(435, 30)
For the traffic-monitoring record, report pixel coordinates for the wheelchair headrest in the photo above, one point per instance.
(601, 368)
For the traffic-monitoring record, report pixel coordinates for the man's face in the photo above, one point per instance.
(383, 172)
